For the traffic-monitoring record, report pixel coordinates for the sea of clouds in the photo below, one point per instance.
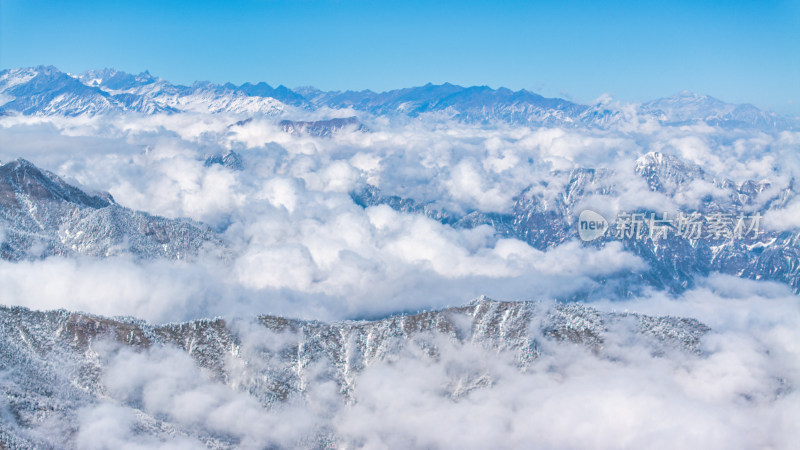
(301, 247)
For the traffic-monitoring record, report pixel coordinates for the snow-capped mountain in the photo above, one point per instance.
(47, 91)
(687, 107)
(471, 104)
(67, 363)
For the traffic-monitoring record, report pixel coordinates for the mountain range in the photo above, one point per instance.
(57, 364)
(45, 90)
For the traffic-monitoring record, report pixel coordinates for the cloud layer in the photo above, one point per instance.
(301, 247)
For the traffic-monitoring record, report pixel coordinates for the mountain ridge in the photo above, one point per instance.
(44, 90)
(59, 368)
(42, 216)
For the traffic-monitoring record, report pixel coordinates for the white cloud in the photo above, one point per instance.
(300, 247)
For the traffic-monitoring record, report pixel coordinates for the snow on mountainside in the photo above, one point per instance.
(47, 91)
(472, 104)
(68, 363)
(116, 80)
(673, 262)
(321, 128)
(50, 92)
(42, 216)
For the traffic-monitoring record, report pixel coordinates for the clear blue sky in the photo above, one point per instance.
(739, 51)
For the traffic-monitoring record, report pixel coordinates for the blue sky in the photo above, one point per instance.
(745, 51)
